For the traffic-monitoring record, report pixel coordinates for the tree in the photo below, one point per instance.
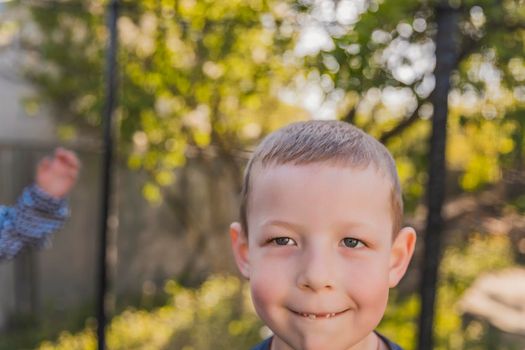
(379, 63)
(195, 76)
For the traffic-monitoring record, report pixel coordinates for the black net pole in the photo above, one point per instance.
(111, 93)
(446, 62)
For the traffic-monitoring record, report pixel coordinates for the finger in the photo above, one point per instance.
(67, 157)
(61, 152)
(64, 168)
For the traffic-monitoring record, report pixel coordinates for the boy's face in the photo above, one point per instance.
(320, 255)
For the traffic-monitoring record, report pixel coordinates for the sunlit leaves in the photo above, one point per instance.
(192, 74)
(216, 315)
(203, 74)
(389, 47)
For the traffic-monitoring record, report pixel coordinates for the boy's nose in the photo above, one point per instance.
(315, 272)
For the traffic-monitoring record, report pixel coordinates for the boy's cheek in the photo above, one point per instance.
(269, 296)
(268, 283)
(261, 295)
(260, 298)
(368, 286)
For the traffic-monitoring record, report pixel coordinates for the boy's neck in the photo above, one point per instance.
(372, 342)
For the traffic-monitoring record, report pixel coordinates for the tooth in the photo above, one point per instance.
(328, 315)
(311, 316)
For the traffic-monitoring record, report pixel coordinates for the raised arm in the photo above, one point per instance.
(30, 222)
(42, 208)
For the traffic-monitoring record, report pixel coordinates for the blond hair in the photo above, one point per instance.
(333, 142)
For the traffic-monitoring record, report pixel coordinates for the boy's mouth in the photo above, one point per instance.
(314, 316)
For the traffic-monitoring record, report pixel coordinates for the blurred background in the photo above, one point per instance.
(200, 83)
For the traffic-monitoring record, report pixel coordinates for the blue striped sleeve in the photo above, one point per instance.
(30, 222)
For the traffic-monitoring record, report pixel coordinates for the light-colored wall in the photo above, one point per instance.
(15, 124)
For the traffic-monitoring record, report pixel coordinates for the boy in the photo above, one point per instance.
(41, 209)
(320, 237)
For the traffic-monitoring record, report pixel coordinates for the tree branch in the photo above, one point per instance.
(466, 49)
(405, 123)
(350, 115)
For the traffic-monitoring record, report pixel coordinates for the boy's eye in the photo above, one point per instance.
(282, 241)
(352, 242)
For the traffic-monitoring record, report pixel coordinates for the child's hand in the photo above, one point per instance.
(56, 175)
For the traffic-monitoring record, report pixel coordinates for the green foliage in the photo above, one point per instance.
(218, 315)
(27, 331)
(459, 268)
(381, 61)
(194, 76)
(201, 75)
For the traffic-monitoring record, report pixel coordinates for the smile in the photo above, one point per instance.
(315, 316)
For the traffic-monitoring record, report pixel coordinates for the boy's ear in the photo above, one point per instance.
(401, 254)
(239, 241)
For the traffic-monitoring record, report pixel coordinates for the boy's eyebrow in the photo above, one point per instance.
(299, 227)
(289, 225)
